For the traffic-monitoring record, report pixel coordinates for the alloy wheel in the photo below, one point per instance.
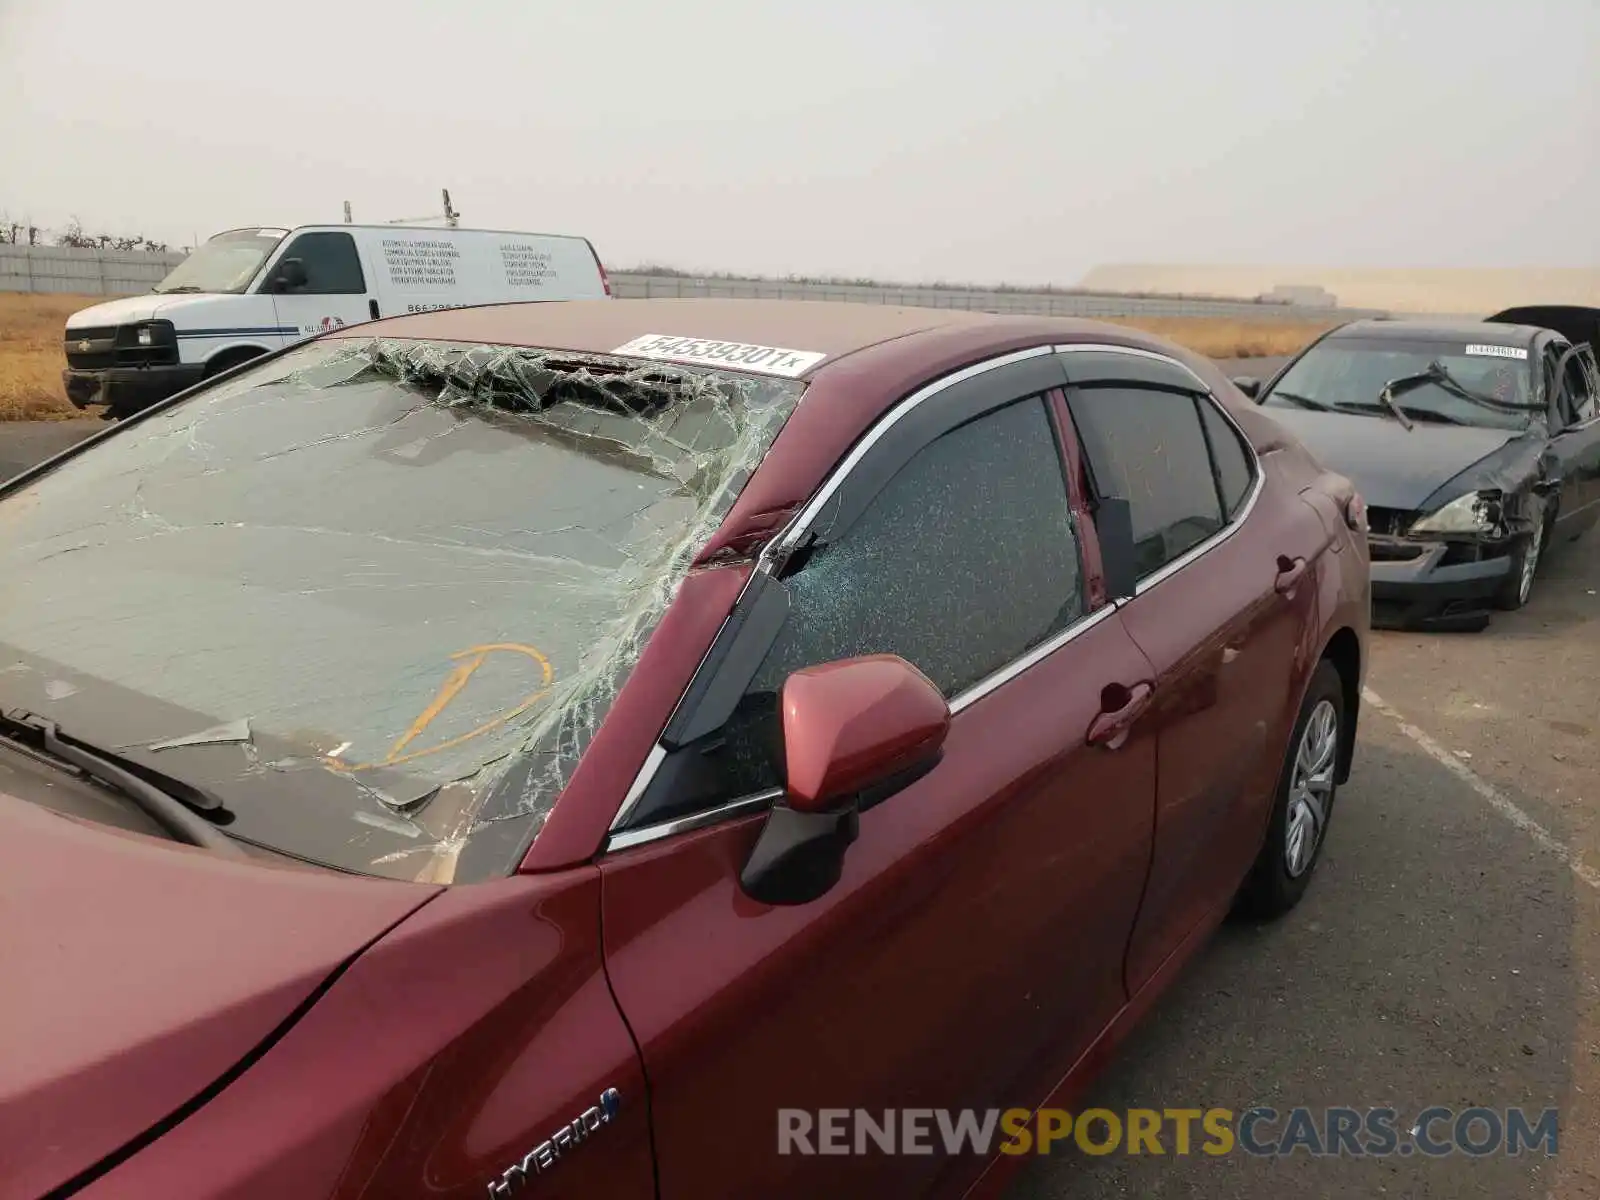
(1311, 788)
(1530, 563)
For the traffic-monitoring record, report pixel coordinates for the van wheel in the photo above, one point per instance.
(1304, 803)
(228, 360)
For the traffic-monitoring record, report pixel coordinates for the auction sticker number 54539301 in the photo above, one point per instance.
(739, 356)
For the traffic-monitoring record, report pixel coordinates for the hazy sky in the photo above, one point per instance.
(984, 140)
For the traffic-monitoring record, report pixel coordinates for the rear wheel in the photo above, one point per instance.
(1304, 802)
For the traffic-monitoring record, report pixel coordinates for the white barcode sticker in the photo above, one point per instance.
(737, 356)
(1499, 351)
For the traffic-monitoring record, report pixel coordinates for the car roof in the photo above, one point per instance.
(836, 330)
(832, 329)
(1443, 331)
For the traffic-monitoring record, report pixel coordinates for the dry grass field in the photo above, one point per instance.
(30, 354)
(1223, 338)
(31, 358)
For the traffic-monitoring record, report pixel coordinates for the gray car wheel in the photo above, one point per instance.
(1518, 587)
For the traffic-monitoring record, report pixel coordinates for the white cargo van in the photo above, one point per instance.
(249, 291)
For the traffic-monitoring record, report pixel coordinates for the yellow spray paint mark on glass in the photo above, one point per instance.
(468, 660)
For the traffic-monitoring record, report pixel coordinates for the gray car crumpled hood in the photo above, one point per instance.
(1391, 468)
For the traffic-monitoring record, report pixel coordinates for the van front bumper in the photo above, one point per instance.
(126, 390)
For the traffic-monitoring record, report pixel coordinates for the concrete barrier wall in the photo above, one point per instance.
(1053, 304)
(82, 272)
(127, 272)
(1412, 291)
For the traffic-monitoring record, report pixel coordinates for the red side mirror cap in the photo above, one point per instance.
(852, 724)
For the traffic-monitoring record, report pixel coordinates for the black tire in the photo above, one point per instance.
(1270, 889)
(228, 360)
(1512, 594)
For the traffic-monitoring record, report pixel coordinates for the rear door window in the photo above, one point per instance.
(1149, 447)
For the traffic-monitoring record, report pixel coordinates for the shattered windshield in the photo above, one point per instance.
(376, 594)
(227, 263)
(1353, 371)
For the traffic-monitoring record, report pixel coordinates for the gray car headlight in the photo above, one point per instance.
(1476, 512)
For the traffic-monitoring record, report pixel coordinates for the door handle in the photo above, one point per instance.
(1110, 729)
(1290, 571)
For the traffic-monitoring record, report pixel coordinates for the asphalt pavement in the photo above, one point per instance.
(23, 443)
(1446, 954)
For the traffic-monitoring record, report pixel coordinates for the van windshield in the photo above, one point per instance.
(379, 593)
(227, 263)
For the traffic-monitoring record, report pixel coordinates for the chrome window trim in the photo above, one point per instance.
(1258, 469)
(1133, 352)
(629, 838)
(642, 778)
(626, 839)
(1030, 658)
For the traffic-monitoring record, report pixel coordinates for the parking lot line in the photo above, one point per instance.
(1496, 799)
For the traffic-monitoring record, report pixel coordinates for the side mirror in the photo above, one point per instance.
(290, 274)
(854, 733)
(1249, 385)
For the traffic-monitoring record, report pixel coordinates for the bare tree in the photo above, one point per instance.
(74, 237)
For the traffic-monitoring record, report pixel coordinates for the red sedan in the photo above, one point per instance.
(526, 748)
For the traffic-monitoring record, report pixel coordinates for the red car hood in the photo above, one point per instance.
(135, 973)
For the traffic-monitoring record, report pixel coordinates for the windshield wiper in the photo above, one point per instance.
(172, 804)
(1437, 375)
(1387, 401)
(1441, 376)
(1302, 401)
(173, 291)
(1367, 406)
(1433, 415)
(1416, 414)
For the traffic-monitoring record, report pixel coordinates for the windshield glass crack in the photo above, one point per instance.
(418, 571)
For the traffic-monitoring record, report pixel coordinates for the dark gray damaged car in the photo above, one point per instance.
(1475, 444)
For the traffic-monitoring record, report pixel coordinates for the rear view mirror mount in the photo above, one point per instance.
(1113, 520)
